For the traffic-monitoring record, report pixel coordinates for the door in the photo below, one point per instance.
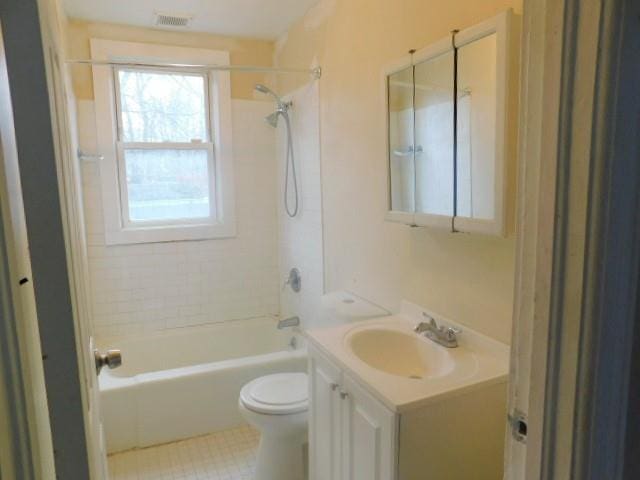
(325, 429)
(369, 435)
(70, 184)
(51, 197)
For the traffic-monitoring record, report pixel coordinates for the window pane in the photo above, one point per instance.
(167, 184)
(162, 107)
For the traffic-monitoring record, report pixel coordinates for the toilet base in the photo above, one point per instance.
(281, 451)
(280, 458)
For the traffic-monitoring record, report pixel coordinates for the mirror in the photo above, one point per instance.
(401, 141)
(476, 132)
(433, 110)
(452, 131)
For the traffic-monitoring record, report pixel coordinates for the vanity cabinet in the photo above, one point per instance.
(451, 130)
(352, 436)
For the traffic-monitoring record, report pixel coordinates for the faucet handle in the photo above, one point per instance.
(452, 333)
(429, 318)
(420, 327)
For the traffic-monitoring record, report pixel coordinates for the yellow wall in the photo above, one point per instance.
(243, 51)
(465, 277)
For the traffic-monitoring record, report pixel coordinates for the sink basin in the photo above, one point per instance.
(398, 353)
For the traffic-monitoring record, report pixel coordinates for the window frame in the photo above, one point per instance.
(119, 229)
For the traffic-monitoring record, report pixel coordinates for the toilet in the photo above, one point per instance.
(277, 406)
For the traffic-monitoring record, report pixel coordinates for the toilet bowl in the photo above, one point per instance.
(277, 406)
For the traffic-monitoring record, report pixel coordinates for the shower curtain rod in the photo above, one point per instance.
(314, 72)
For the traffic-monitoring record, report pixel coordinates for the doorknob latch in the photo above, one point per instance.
(111, 359)
(518, 423)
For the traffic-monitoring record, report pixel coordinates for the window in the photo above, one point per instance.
(164, 149)
(167, 175)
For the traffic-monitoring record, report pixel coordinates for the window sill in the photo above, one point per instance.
(169, 234)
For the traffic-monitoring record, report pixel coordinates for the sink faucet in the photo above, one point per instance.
(444, 335)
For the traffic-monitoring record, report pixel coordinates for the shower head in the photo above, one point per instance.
(272, 119)
(266, 90)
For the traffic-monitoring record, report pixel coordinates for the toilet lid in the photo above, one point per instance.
(277, 394)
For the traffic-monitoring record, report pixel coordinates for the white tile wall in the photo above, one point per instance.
(147, 287)
(300, 238)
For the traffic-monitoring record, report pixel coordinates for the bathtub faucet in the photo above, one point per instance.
(289, 322)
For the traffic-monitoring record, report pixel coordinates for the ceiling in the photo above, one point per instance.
(266, 19)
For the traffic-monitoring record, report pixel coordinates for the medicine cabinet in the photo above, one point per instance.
(451, 130)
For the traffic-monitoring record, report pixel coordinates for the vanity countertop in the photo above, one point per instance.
(405, 370)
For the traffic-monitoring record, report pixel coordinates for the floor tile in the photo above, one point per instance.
(225, 455)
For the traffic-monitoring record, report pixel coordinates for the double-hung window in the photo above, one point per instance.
(167, 173)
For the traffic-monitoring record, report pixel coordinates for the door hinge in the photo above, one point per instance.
(518, 423)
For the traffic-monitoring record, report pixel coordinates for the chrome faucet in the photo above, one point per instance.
(444, 335)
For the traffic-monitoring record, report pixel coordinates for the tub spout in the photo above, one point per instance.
(289, 322)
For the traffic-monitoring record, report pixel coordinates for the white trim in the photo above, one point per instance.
(441, 47)
(540, 99)
(117, 229)
(442, 222)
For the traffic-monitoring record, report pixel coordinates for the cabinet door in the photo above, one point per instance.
(369, 433)
(324, 418)
(486, 137)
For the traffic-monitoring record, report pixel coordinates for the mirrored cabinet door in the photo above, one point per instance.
(486, 133)
(401, 141)
(433, 110)
(476, 132)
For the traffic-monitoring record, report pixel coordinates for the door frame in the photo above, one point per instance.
(551, 152)
(575, 345)
(30, 98)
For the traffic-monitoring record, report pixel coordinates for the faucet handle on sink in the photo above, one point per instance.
(444, 335)
(452, 333)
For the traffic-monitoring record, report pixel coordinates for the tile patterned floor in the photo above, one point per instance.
(225, 455)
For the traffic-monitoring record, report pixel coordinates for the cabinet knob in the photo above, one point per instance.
(334, 386)
(343, 394)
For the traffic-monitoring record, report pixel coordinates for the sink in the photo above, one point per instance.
(399, 353)
(403, 369)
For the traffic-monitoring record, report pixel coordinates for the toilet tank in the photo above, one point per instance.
(343, 307)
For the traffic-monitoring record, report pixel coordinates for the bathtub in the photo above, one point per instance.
(185, 382)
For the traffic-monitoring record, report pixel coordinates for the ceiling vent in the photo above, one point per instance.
(173, 20)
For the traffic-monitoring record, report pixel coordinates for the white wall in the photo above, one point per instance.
(468, 278)
(300, 238)
(150, 287)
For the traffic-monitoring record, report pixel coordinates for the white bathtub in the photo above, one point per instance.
(186, 381)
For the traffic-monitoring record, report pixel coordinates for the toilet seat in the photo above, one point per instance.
(277, 394)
